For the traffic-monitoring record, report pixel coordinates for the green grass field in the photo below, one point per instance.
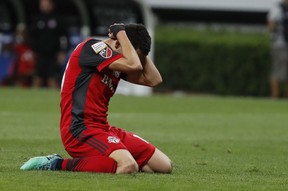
(215, 143)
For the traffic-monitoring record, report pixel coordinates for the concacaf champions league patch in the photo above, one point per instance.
(102, 49)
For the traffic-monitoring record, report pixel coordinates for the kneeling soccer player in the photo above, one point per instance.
(90, 80)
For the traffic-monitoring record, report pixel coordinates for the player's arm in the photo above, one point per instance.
(149, 76)
(130, 61)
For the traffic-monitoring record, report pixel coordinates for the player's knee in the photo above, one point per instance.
(128, 167)
(162, 166)
(167, 167)
(131, 167)
(126, 164)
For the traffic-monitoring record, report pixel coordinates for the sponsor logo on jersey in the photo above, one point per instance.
(112, 139)
(116, 74)
(108, 82)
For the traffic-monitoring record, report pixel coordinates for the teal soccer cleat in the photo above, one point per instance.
(42, 163)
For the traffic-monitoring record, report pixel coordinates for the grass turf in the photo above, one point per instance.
(215, 143)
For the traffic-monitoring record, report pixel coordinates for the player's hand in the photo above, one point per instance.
(114, 29)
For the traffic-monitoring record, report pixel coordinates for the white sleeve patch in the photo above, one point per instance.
(97, 47)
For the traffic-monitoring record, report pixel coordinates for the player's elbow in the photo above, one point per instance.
(155, 82)
(138, 68)
(158, 81)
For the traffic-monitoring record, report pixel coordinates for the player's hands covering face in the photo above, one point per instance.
(114, 29)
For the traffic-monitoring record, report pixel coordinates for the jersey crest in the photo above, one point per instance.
(112, 139)
(106, 52)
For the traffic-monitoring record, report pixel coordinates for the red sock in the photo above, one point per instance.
(90, 164)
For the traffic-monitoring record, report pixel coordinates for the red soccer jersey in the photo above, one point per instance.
(87, 87)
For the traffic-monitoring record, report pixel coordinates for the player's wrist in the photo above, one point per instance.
(120, 34)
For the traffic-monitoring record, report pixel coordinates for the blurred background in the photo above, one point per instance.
(201, 47)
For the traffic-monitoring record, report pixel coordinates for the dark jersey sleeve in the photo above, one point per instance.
(96, 54)
(123, 76)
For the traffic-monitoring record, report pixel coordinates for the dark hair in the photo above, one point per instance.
(139, 37)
